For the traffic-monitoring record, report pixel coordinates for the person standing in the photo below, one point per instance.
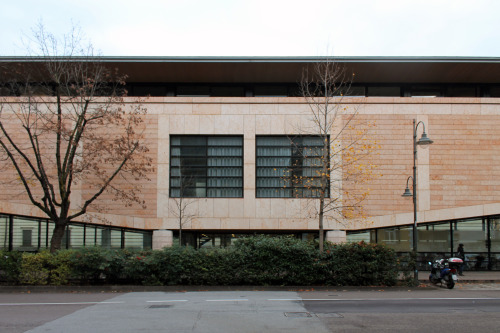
(461, 255)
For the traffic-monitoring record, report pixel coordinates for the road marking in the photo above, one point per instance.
(379, 299)
(271, 299)
(227, 300)
(72, 303)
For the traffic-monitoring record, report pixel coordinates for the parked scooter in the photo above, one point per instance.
(445, 271)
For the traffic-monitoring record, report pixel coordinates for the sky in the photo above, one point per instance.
(449, 28)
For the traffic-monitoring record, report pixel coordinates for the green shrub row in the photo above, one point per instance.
(258, 260)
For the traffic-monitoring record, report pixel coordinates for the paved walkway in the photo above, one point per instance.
(472, 277)
(469, 276)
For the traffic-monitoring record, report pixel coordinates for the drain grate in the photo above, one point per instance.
(160, 306)
(329, 315)
(297, 314)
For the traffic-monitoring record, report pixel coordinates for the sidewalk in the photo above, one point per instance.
(469, 276)
(472, 277)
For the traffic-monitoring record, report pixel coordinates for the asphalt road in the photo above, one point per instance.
(335, 310)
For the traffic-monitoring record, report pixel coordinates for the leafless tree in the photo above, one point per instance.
(180, 206)
(340, 163)
(66, 124)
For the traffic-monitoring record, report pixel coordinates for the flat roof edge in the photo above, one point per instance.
(148, 59)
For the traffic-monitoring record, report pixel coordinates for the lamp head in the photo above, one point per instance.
(407, 192)
(424, 140)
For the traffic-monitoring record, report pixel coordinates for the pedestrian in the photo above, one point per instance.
(461, 255)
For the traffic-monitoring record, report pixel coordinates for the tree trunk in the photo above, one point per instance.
(180, 231)
(321, 233)
(57, 236)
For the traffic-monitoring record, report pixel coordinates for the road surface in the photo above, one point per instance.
(333, 310)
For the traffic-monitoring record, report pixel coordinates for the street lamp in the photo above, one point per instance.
(423, 141)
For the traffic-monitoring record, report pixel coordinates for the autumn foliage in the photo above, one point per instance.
(65, 127)
(343, 163)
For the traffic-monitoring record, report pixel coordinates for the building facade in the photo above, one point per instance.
(220, 131)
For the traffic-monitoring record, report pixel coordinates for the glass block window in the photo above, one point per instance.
(206, 166)
(289, 167)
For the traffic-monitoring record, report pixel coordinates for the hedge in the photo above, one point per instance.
(258, 260)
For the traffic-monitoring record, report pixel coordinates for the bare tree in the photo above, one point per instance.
(66, 125)
(180, 206)
(339, 163)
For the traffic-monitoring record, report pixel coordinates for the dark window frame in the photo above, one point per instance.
(199, 168)
(295, 169)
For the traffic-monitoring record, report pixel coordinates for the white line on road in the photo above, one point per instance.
(379, 299)
(72, 303)
(271, 299)
(227, 300)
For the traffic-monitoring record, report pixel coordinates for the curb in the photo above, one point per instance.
(467, 281)
(181, 289)
(424, 283)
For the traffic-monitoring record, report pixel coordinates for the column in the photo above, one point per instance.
(162, 238)
(336, 236)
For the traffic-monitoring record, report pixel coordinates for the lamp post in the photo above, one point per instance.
(423, 141)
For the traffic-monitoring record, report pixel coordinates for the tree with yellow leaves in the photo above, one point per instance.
(333, 169)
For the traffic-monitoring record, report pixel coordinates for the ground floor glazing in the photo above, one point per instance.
(480, 236)
(19, 233)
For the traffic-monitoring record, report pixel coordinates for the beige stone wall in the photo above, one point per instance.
(240, 116)
(12, 189)
(107, 203)
(13, 196)
(456, 175)
(465, 165)
(393, 130)
(453, 173)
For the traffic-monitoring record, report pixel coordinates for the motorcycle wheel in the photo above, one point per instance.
(433, 280)
(450, 284)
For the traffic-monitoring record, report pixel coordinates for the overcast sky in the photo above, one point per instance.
(264, 27)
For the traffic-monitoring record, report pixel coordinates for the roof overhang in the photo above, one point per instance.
(289, 69)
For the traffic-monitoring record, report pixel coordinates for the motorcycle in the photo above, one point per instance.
(445, 271)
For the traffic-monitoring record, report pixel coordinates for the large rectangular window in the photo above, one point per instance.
(206, 166)
(434, 237)
(397, 238)
(289, 167)
(472, 233)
